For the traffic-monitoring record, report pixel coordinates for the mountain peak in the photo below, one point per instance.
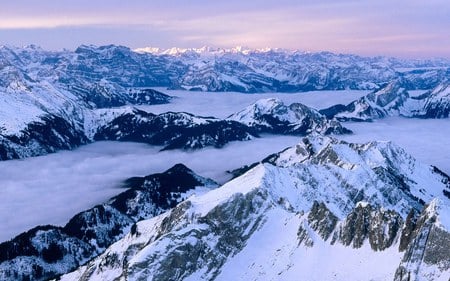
(258, 223)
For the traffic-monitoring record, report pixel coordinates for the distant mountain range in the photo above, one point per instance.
(110, 68)
(52, 100)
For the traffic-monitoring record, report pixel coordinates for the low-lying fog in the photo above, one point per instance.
(222, 105)
(51, 189)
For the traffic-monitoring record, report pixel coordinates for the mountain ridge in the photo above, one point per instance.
(273, 222)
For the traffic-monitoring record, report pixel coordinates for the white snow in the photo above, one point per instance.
(243, 184)
(273, 253)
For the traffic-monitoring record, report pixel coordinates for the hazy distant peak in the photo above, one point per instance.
(175, 51)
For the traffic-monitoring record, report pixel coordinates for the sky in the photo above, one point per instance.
(401, 28)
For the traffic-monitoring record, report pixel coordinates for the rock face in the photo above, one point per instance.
(303, 207)
(47, 251)
(380, 227)
(273, 116)
(429, 243)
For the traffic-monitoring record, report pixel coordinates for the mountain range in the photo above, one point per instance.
(67, 99)
(324, 209)
(110, 68)
(372, 201)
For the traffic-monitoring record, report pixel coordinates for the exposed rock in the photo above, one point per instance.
(427, 255)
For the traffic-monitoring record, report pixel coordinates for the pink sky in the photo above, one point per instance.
(412, 29)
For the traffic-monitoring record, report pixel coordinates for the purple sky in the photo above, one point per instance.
(403, 28)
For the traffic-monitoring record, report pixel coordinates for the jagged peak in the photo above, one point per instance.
(385, 177)
(319, 147)
(209, 50)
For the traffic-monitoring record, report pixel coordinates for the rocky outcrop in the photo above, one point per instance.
(380, 227)
(423, 241)
(183, 242)
(426, 255)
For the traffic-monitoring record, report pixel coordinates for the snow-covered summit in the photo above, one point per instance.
(272, 115)
(284, 219)
(208, 50)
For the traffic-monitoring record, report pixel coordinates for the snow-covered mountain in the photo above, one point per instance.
(106, 68)
(186, 131)
(71, 122)
(261, 70)
(394, 100)
(436, 102)
(173, 130)
(391, 100)
(52, 100)
(47, 251)
(322, 210)
(273, 116)
(35, 121)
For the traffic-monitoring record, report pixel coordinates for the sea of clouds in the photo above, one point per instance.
(50, 189)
